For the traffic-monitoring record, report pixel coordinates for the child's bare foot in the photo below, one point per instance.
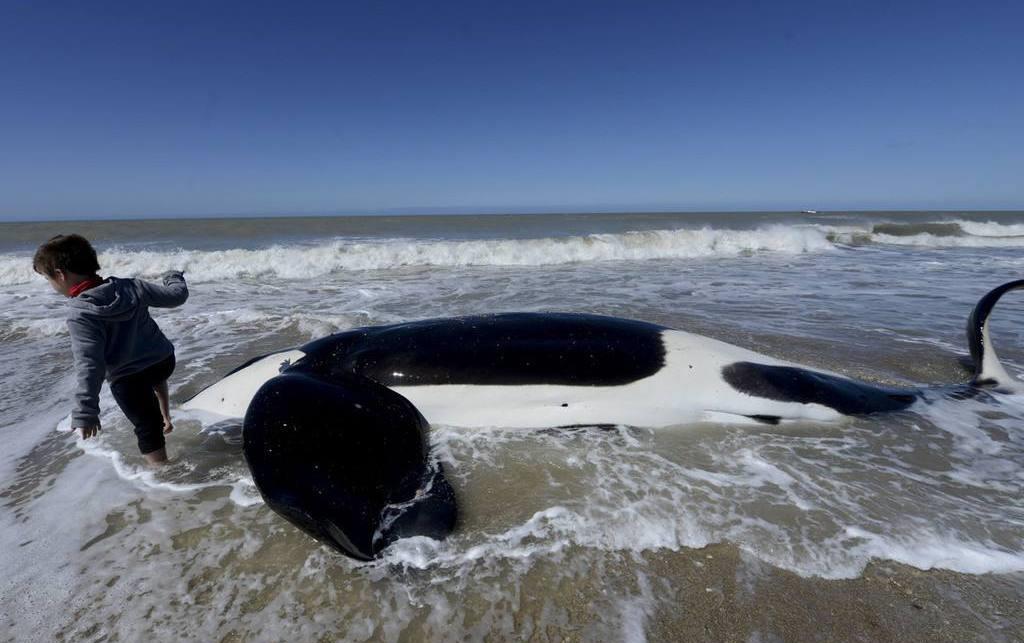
(168, 427)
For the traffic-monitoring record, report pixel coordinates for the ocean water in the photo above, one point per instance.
(574, 534)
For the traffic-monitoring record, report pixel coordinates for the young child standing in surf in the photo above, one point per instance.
(113, 336)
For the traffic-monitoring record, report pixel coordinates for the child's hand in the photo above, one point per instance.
(88, 431)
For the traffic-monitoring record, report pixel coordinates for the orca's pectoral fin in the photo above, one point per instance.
(332, 455)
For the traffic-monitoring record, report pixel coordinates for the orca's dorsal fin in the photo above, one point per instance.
(988, 371)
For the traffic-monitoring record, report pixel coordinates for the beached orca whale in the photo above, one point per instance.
(335, 431)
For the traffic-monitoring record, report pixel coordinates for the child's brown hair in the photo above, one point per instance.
(68, 252)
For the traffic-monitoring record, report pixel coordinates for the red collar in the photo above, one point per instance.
(81, 287)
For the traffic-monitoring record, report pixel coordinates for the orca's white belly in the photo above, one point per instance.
(688, 389)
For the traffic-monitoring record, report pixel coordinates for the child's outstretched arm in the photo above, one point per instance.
(173, 293)
(87, 344)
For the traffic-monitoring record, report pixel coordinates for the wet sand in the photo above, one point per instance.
(733, 597)
(590, 535)
(712, 594)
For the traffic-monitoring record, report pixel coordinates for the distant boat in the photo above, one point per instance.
(808, 212)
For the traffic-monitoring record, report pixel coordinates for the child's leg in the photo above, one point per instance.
(156, 457)
(134, 394)
(165, 405)
(139, 398)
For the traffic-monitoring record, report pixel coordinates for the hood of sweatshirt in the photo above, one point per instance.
(113, 300)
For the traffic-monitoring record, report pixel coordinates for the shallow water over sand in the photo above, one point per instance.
(710, 530)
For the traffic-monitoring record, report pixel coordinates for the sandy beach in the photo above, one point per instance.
(903, 526)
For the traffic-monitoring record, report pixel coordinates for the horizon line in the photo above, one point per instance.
(460, 212)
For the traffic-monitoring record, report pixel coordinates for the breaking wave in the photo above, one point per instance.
(957, 233)
(305, 261)
(317, 259)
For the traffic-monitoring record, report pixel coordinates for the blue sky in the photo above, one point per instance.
(191, 108)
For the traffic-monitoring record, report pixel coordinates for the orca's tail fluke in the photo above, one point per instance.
(988, 371)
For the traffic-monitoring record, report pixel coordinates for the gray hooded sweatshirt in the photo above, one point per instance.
(113, 335)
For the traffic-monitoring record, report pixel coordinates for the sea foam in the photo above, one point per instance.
(307, 261)
(304, 261)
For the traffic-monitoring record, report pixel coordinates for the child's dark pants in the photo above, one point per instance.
(134, 394)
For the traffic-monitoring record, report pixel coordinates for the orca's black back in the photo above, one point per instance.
(504, 349)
